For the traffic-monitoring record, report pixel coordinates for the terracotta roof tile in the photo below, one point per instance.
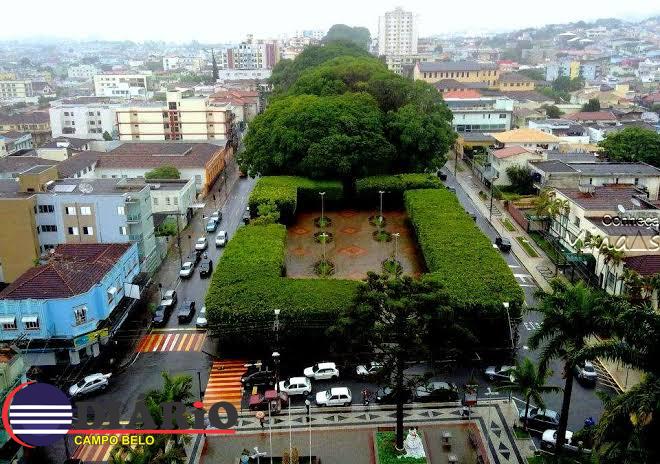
(150, 155)
(644, 265)
(591, 116)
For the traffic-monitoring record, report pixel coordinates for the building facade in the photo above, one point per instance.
(16, 89)
(12, 142)
(475, 113)
(82, 71)
(121, 85)
(466, 72)
(83, 118)
(397, 33)
(36, 123)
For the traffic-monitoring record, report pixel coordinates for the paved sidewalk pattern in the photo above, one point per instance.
(225, 383)
(172, 341)
(93, 453)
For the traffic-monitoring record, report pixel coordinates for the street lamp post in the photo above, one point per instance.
(506, 305)
(276, 361)
(380, 218)
(309, 422)
(270, 433)
(490, 214)
(396, 247)
(324, 237)
(322, 209)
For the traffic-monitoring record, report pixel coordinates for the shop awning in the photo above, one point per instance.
(7, 319)
(29, 319)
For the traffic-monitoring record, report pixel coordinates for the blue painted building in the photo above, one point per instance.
(62, 312)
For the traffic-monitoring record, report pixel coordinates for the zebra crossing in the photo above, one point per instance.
(171, 341)
(531, 325)
(225, 383)
(93, 453)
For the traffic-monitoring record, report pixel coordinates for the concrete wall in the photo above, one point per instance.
(19, 245)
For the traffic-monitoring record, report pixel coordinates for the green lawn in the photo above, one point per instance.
(387, 454)
(508, 225)
(529, 249)
(544, 245)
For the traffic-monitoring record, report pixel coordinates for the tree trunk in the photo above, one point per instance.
(399, 402)
(526, 412)
(565, 405)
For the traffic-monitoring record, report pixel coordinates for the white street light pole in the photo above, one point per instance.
(290, 441)
(309, 422)
(270, 433)
(322, 209)
(396, 248)
(380, 219)
(324, 237)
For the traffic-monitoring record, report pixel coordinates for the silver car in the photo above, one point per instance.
(586, 372)
(90, 384)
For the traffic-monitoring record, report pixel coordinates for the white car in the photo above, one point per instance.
(187, 269)
(296, 386)
(322, 371)
(169, 299)
(201, 244)
(340, 396)
(365, 370)
(201, 321)
(549, 441)
(221, 239)
(499, 373)
(586, 372)
(90, 384)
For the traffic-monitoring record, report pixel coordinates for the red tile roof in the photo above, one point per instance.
(509, 151)
(72, 269)
(606, 197)
(151, 155)
(467, 93)
(644, 265)
(591, 116)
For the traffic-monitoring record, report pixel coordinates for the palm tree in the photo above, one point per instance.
(162, 451)
(175, 389)
(572, 316)
(612, 258)
(527, 380)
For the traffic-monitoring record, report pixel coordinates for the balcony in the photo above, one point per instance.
(135, 237)
(133, 218)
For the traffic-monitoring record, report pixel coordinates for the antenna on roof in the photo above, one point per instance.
(621, 208)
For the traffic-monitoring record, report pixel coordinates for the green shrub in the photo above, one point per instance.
(367, 188)
(387, 453)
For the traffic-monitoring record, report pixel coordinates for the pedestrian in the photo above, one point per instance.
(262, 418)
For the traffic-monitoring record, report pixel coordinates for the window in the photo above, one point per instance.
(155, 201)
(91, 113)
(503, 116)
(176, 201)
(8, 323)
(576, 221)
(49, 228)
(46, 209)
(30, 322)
(168, 201)
(85, 210)
(121, 210)
(70, 210)
(87, 230)
(111, 294)
(73, 231)
(80, 314)
(122, 230)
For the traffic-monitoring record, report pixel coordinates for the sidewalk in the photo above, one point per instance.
(541, 268)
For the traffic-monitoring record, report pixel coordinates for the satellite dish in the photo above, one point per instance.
(621, 209)
(635, 202)
(86, 188)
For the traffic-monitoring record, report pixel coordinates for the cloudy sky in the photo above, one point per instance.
(229, 21)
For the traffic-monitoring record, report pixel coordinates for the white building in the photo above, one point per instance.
(568, 131)
(121, 85)
(475, 113)
(244, 74)
(397, 33)
(170, 63)
(83, 117)
(16, 89)
(82, 71)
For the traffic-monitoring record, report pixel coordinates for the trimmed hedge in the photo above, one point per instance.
(457, 253)
(367, 188)
(291, 192)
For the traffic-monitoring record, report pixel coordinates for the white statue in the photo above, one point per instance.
(413, 445)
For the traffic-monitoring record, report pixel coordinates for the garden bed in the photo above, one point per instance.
(387, 453)
(529, 249)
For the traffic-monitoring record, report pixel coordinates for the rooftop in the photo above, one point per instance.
(509, 151)
(596, 168)
(72, 269)
(644, 265)
(36, 117)
(608, 198)
(591, 116)
(515, 77)
(519, 95)
(476, 137)
(151, 155)
(469, 93)
(73, 143)
(13, 134)
(81, 186)
(433, 66)
(76, 163)
(525, 135)
(18, 164)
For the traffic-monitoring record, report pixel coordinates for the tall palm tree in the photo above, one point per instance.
(177, 388)
(612, 258)
(160, 452)
(572, 316)
(529, 381)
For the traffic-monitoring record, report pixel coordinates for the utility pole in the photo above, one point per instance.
(178, 241)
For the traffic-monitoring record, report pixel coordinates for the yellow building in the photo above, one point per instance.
(178, 118)
(515, 82)
(467, 72)
(574, 69)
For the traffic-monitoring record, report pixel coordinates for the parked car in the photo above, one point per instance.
(437, 392)
(201, 244)
(186, 311)
(322, 371)
(246, 217)
(90, 384)
(339, 396)
(540, 419)
(259, 401)
(206, 268)
(385, 395)
(217, 215)
(296, 386)
(201, 321)
(263, 377)
(212, 225)
(442, 176)
(195, 257)
(366, 370)
(161, 316)
(169, 299)
(503, 243)
(221, 239)
(549, 441)
(499, 373)
(187, 269)
(586, 373)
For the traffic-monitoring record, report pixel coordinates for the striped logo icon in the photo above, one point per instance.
(36, 414)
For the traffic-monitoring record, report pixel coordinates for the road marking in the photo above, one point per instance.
(224, 383)
(175, 341)
(531, 325)
(513, 266)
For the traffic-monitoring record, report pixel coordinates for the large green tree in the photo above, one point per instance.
(358, 35)
(165, 171)
(633, 144)
(592, 105)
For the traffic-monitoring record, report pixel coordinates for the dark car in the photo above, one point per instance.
(540, 419)
(442, 176)
(437, 392)
(161, 316)
(385, 395)
(504, 244)
(186, 311)
(195, 257)
(206, 268)
(260, 401)
(246, 217)
(258, 378)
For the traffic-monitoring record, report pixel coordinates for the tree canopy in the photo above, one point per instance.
(592, 105)
(358, 35)
(633, 144)
(163, 172)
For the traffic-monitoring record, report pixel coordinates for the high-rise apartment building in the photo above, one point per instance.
(397, 33)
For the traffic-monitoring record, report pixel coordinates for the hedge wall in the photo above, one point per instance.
(367, 188)
(291, 193)
(457, 253)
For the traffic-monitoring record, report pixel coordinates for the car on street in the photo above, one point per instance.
(246, 217)
(322, 371)
(221, 239)
(195, 257)
(187, 269)
(338, 396)
(201, 243)
(586, 373)
(437, 392)
(206, 268)
(212, 225)
(169, 299)
(367, 370)
(499, 373)
(385, 395)
(186, 311)
(296, 386)
(201, 321)
(161, 316)
(90, 384)
(258, 378)
(260, 401)
(503, 243)
(549, 441)
(217, 215)
(540, 419)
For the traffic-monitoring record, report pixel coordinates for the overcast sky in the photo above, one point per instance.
(229, 21)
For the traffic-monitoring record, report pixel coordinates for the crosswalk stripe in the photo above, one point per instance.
(172, 342)
(198, 347)
(224, 383)
(176, 339)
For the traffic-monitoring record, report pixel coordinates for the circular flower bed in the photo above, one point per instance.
(324, 268)
(318, 236)
(324, 221)
(377, 220)
(392, 266)
(382, 236)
